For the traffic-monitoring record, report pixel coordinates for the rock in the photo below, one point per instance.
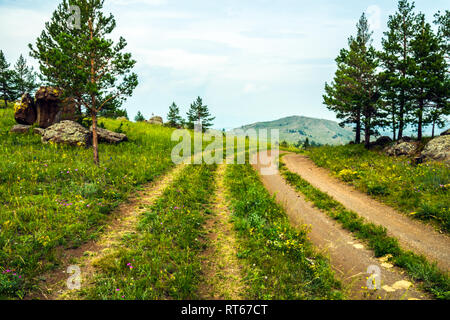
(21, 128)
(401, 148)
(50, 109)
(67, 132)
(406, 139)
(437, 149)
(39, 131)
(110, 136)
(25, 110)
(446, 133)
(156, 120)
(382, 141)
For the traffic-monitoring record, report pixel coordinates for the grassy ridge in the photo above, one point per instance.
(54, 195)
(418, 268)
(280, 262)
(422, 191)
(162, 260)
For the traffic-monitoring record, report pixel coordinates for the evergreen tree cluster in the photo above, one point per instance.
(15, 81)
(198, 114)
(405, 84)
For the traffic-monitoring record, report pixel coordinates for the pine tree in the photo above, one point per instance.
(24, 77)
(139, 117)
(6, 85)
(428, 69)
(199, 113)
(173, 117)
(395, 58)
(83, 62)
(354, 94)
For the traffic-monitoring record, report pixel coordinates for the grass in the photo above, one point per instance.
(280, 263)
(421, 191)
(54, 196)
(430, 278)
(165, 252)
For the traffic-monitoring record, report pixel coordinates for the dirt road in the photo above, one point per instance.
(348, 257)
(412, 234)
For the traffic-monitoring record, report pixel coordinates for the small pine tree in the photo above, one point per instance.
(173, 117)
(306, 143)
(199, 113)
(139, 117)
(6, 85)
(24, 77)
(83, 61)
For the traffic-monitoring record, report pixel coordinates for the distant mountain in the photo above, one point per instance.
(295, 128)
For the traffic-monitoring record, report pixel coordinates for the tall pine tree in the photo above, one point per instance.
(428, 74)
(354, 94)
(24, 77)
(173, 117)
(396, 58)
(199, 113)
(84, 62)
(7, 92)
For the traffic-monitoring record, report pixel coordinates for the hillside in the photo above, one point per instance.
(295, 128)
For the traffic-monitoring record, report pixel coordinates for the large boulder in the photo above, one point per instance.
(437, 149)
(21, 128)
(110, 136)
(156, 120)
(68, 132)
(50, 109)
(401, 148)
(25, 110)
(381, 141)
(446, 133)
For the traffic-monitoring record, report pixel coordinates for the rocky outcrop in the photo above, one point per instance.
(21, 128)
(25, 110)
(39, 131)
(381, 141)
(110, 136)
(156, 120)
(50, 109)
(401, 148)
(446, 133)
(437, 149)
(68, 132)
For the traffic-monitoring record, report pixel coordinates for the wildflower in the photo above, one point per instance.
(117, 290)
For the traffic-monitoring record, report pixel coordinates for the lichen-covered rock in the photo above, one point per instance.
(401, 149)
(446, 133)
(25, 110)
(50, 109)
(437, 149)
(67, 132)
(156, 120)
(110, 136)
(21, 128)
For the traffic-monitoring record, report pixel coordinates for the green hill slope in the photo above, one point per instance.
(295, 128)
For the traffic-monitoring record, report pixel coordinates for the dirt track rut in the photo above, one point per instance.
(348, 257)
(412, 235)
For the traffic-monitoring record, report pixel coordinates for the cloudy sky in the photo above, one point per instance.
(250, 60)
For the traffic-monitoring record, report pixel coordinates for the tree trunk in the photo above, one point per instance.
(393, 125)
(432, 130)
(367, 131)
(95, 138)
(358, 128)
(6, 103)
(401, 123)
(419, 126)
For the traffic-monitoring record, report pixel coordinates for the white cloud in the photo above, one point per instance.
(374, 17)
